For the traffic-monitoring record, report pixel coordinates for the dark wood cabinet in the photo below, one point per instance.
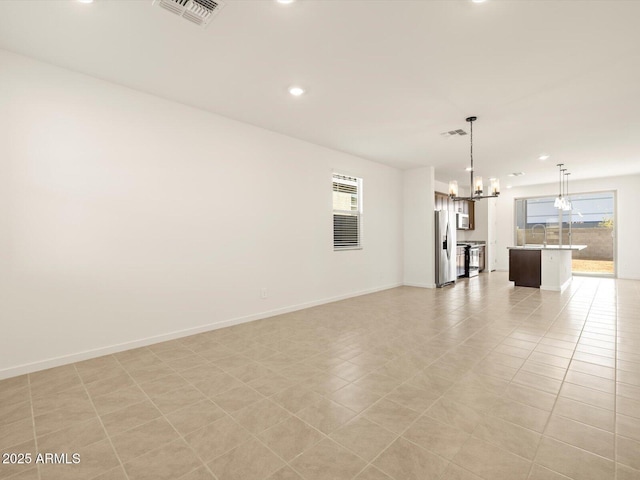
(525, 268)
(443, 202)
(467, 207)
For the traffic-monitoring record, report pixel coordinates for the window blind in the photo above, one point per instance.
(346, 212)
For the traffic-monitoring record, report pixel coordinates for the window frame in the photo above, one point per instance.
(337, 176)
(562, 220)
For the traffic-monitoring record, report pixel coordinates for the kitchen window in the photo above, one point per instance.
(347, 212)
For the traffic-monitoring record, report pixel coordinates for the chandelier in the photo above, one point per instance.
(476, 187)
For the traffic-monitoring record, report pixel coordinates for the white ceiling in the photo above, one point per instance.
(384, 78)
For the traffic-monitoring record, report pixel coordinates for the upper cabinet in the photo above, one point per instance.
(467, 207)
(444, 202)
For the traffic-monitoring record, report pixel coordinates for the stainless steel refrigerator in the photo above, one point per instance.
(445, 247)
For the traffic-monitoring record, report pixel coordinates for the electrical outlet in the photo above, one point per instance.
(263, 293)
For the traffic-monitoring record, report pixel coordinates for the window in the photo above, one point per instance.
(590, 222)
(589, 210)
(347, 212)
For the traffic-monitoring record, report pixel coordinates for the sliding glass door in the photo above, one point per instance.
(590, 222)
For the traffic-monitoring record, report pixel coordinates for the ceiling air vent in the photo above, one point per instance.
(451, 133)
(199, 12)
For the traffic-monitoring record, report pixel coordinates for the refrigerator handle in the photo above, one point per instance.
(446, 241)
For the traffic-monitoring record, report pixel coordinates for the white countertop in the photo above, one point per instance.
(547, 247)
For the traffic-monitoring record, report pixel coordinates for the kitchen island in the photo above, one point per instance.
(547, 267)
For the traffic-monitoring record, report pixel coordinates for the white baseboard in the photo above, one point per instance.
(421, 285)
(143, 342)
(560, 288)
(629, 277)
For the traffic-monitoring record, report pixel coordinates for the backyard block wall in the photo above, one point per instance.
(598, 239)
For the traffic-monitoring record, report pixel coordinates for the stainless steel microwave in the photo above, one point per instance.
(462, 221)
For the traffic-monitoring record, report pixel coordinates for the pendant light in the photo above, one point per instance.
(567, 201)
(476, 187)
(559, 201)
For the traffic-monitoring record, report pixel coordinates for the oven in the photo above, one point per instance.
(472, 263)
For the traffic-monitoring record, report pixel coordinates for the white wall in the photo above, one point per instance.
(627, 225)
(419, 224)
(440, 187)
(127, 219)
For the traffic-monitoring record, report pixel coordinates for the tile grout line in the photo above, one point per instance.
(325, 436)
(355, 336)
(181, 436)
(84, 387)
(33, 424)
(470, 434)
(137, 384)
(520, 324)
(439, 398)
(436, 400)
(547, 330)
(254, 436)
(564, 376)
(359, 414)
(294, 415)
(511, 382)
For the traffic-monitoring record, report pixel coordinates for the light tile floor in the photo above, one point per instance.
(477, 381)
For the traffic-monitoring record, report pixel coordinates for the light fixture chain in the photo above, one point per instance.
(475, 190)
(472, 186)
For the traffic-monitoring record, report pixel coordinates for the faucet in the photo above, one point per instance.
(545, 232)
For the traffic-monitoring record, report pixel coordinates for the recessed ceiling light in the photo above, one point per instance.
(544, 157)
(509, 186)
(516, 174)
(85, 1)
(296, 91)
(468, 169)
(285, 2)
(478, 1)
